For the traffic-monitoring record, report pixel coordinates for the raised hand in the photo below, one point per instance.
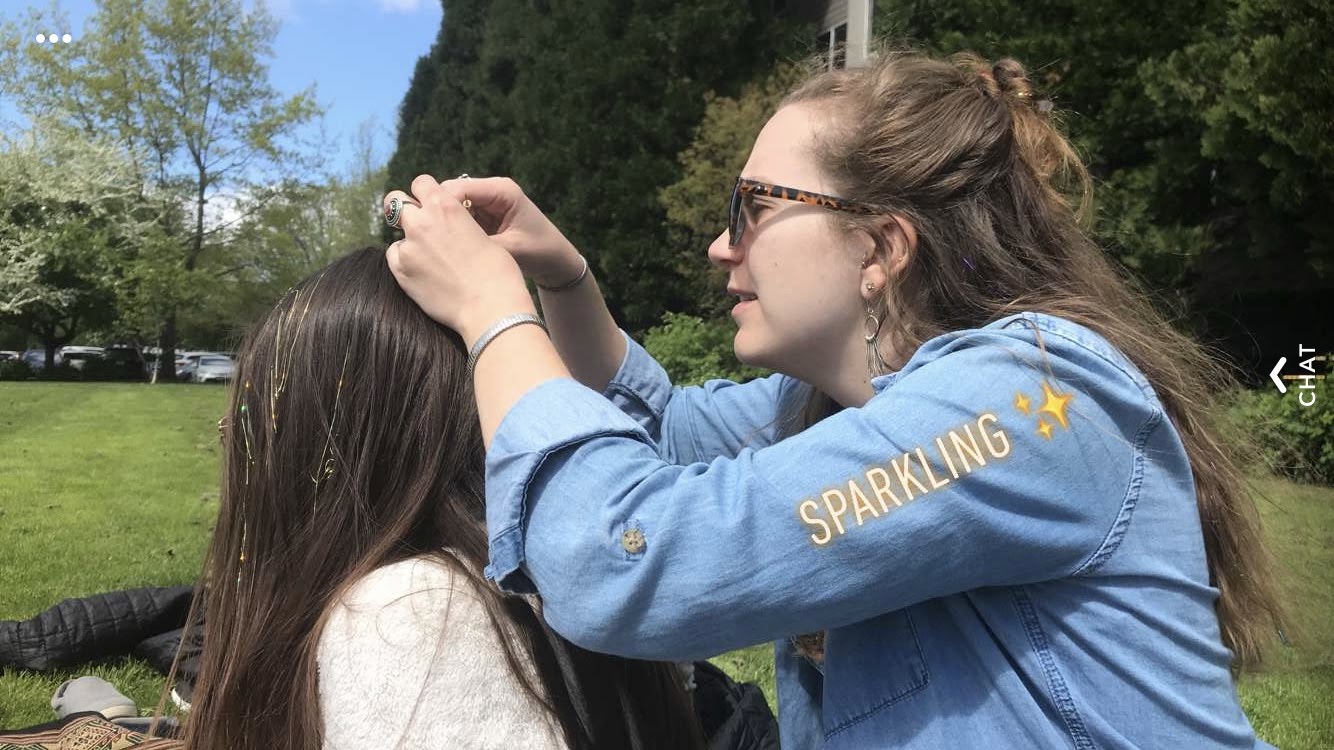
(448, 265)
(515, 223)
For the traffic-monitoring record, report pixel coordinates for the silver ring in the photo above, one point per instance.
(393, 212)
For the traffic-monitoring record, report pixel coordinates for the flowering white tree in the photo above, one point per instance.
(186, 82)
(71, 211)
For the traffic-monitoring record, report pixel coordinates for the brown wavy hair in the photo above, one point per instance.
(351, 441)
(973, 157)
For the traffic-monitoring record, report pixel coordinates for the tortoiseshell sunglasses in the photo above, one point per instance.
(736, 226)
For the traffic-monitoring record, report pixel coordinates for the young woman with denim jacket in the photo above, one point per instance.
(981, 503)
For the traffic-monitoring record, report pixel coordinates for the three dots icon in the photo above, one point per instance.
(54, 38)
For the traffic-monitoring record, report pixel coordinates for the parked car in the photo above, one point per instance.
(126, 360)
(213, 368)
(186, 362)
(36, 358)
(78, 356)
(12, 366)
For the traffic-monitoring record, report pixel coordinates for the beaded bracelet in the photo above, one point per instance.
(568, 284)
(497, 328)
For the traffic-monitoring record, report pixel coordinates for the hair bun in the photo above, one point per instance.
(1011, 78)
(1004, 78)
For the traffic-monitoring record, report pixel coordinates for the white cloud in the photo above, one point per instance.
(400, 6)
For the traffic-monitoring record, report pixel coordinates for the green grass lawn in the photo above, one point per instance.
(111, 486)
(102, 487)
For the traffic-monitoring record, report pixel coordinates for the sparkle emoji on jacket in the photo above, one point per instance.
(950, 457)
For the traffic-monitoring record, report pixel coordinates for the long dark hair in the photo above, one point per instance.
(967, 151)
(351, 441)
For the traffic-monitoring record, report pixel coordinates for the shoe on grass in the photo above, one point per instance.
(89, 693)
(182, 693)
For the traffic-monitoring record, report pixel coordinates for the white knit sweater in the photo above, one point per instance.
(410, 659)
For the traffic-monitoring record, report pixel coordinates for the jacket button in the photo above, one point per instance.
(633, 541)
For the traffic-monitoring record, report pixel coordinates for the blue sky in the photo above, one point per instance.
(359, 53)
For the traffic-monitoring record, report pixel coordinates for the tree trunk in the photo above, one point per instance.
(166, 358)
(52, 339)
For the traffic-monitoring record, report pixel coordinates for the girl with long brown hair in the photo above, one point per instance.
(983, 502)
(345, 601)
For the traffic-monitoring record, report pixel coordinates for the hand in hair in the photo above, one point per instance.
(518, 225)
(449, 266)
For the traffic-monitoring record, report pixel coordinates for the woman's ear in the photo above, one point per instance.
(900, 243)
(891, 251)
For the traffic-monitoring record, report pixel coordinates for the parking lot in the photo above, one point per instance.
(113, 362)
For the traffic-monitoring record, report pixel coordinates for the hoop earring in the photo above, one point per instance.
(875, 363)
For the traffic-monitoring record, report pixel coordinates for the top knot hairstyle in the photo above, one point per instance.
(966, 151)
(1039, 140)
(1006, 77)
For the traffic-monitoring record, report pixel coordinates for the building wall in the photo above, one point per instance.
(855, 14)
(858, 15)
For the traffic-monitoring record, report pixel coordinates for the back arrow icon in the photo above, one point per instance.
(1273, 374)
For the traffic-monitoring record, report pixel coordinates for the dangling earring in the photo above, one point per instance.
(875, 363)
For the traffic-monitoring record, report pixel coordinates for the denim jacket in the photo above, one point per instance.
(1002, 544)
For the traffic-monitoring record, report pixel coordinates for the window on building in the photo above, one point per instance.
(834, 43)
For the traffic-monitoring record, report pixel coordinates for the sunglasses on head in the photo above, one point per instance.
(736, 225)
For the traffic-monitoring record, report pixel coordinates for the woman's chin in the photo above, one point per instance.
(747, 351)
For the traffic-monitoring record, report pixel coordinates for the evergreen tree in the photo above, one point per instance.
(586, 104)
(1208, 124)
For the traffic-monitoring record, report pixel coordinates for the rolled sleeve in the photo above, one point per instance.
(698, 423)
(640, 388)
(552, 416)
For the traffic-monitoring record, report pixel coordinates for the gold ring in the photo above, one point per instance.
(467, 202)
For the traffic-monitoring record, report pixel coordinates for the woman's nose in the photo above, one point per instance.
(721, 252)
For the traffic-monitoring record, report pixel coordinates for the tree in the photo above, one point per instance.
(1207, 124)
(586, 104)
(71, 209)
(693, 350)
(695, 205)
(1256, 88)
(292, 228)
(184, 83)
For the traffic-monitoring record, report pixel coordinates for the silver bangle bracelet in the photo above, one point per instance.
(568, 284)
(497, 328)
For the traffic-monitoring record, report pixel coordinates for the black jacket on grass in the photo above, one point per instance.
(96, 627)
